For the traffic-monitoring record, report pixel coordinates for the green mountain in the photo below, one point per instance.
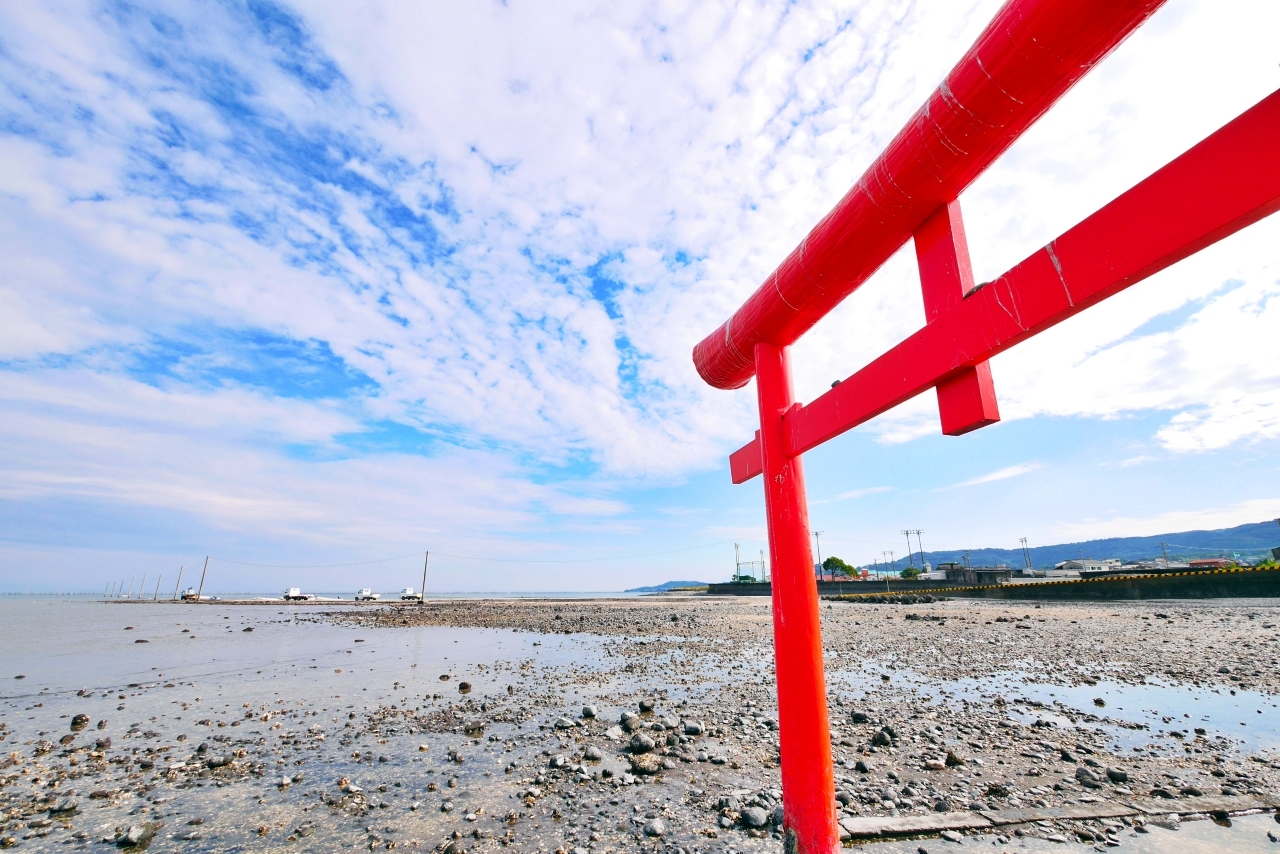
(1253, 541)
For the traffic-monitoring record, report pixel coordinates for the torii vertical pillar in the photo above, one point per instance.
(808, 779)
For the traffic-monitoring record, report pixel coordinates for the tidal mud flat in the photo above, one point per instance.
(630, 725)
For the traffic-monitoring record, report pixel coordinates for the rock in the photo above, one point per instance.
(455, 847)
(464, 687)
(951, 836)
(590, 711)
(1116, 775)
(1161, 792)
(630, 721)
(1086, 778)
(564, 723)
(65, 806)
(592, 753)
(102, 743)
(860, 718)
(691, 728)
(1066, 755)
(862, 767)
(641, 743)
(775, 817)
(447, 806)
(614, 733)
(952, 760)
(754, 817)
(655, 827)
(935, 765)
(942, 805)
(1192, 792)
(218, 761)
(138, 835)
(1099, 702)
(671, 722)
(882, 739)
(646, 705)
(79, 722)
(646, 763)
(558, 761)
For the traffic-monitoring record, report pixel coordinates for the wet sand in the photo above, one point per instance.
(463, 726)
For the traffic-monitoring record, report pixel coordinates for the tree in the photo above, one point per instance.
(836, 566)
(910, 572)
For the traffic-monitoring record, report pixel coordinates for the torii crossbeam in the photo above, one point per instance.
(1027, 58)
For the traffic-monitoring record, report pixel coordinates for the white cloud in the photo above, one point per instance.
(1000, 474)
(854, 493)
(435, 216)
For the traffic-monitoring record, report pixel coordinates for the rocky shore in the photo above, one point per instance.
(653, 727)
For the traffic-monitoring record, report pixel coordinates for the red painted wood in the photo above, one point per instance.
(1032, 52)
(808, 778)
(967, 400)
(1226, 182)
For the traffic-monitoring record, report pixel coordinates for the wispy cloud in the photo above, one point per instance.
(999, 474)
(854, 493)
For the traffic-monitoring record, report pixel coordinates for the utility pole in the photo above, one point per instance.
(817, 534)
(1026, 553)
(179, 584)
(737, 563)
(156, 595)
(764, 567)
(910, 559)
(105, 589)
(200, 592)
(888, 574)
(422, 600)
(967, 565)
(131, 580)
(1165, 552)
(918, 532)
(142, 588)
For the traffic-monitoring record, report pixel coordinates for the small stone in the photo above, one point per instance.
(692, 728)
(630, 721)
(592, 753)
(590, 711)
(1117, 775)
(951, 836)
(65, 806)
(564, 723)
(655, 827)
(1192, 792)
(79, 722)
(1086, 778)
(464, 687)
(862, 767)
(860, 718)
(646, 763)
(614, 733)
(754, 817)
(138, 835)
(646, 705)
(641, 743)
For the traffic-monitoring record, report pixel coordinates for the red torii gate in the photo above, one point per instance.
(1030, 54)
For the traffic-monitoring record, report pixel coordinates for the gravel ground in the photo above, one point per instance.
(650, 725)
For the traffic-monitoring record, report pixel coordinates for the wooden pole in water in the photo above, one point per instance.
(142, 588)
(131, 580)
(179, 584)
(156, 595)
(105, 589)
(200, 592)
(422, 600)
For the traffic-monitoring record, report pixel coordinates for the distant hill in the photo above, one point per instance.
(669, 585)
(1251, 541)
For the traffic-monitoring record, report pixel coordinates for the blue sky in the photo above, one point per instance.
(306, 283)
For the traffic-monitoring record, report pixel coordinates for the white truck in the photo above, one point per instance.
(407, 595)
(364, 594)
(294, 594)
